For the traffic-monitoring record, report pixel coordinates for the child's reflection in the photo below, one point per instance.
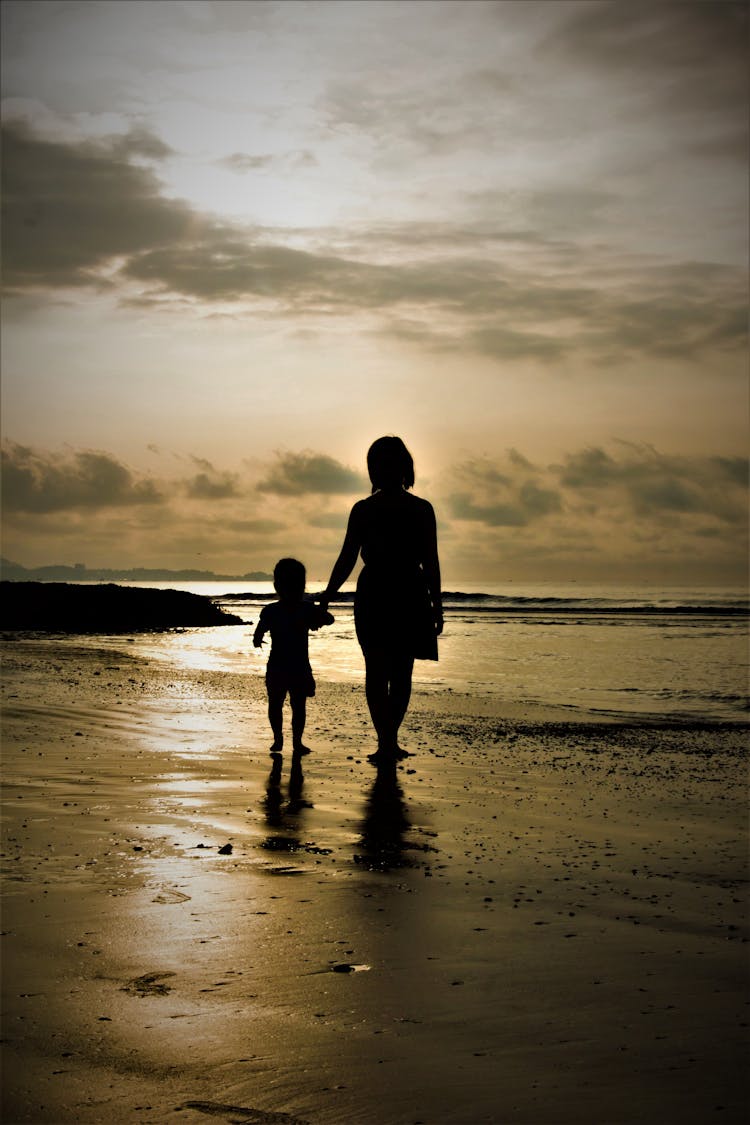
(283, 814)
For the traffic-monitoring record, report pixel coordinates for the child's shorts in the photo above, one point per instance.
(295, 682)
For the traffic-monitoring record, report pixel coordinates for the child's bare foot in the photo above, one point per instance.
(300, 749)
(277, 747)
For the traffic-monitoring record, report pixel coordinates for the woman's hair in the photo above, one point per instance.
(390, 464)
(289, 577)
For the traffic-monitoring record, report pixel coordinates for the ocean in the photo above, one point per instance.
(657, 652)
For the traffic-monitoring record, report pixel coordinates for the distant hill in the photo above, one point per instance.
(14, 572)
(61, 607)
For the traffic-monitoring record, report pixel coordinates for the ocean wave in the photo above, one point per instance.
(585, 605)
(458, 602)
(594, 610)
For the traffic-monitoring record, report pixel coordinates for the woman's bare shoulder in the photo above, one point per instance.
(358, 514)
(383, 503)
(424, 507)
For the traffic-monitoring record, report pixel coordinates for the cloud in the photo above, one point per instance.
(70, 209)
(433, 121)
(482, 305)
(463, 507)
(688, 55)
(667, 494)
(539, 501)
(508, 343)
(734, 469)
(225, 265)
(245, 162)
(653, 483)
(242, 162)
(41, 483)
(506, 495)
(671, 328)
(335, 521)
(484, 474)
(599, 492)
(592, 468)
(212, 484)
(139, 141)
(297, 474)
(519, 460)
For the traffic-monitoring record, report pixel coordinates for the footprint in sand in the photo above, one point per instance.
(169, 894)
(244, 1115)
(150, 984)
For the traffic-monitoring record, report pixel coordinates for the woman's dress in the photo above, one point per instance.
(392, 605)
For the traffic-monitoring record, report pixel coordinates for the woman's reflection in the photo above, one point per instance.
(385, 823)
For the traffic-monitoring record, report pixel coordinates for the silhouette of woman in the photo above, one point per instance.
(397, 607)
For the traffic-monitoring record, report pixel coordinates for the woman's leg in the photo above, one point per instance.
(388, 691)
(399, 691)
(376, 691)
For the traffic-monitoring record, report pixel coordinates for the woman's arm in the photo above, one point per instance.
(344, 564)
(431, 566)
(319, 616)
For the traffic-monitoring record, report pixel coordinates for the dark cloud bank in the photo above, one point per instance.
(506, 492)
(295, 474)
(630, 507)
(41, 482)
(90, 214)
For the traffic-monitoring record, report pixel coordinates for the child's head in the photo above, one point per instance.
(289, 578)
(390, 464)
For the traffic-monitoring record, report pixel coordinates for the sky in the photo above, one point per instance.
(242, 240)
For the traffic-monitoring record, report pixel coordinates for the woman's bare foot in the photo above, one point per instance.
(300, 749)
(277, 747)
(382, 759)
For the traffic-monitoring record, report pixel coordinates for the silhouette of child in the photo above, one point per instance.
(288, 672)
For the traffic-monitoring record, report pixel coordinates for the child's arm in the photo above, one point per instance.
(260, 629)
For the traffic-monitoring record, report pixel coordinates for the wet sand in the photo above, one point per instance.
(532, 920)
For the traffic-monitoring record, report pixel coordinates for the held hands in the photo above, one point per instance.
(437, 613)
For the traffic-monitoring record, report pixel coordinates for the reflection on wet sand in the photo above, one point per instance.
(282, 812)
(385, 824)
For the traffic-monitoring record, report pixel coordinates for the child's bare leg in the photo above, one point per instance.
(276, 718)
(299, 717)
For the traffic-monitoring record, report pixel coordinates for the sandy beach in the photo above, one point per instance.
(532, 921)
